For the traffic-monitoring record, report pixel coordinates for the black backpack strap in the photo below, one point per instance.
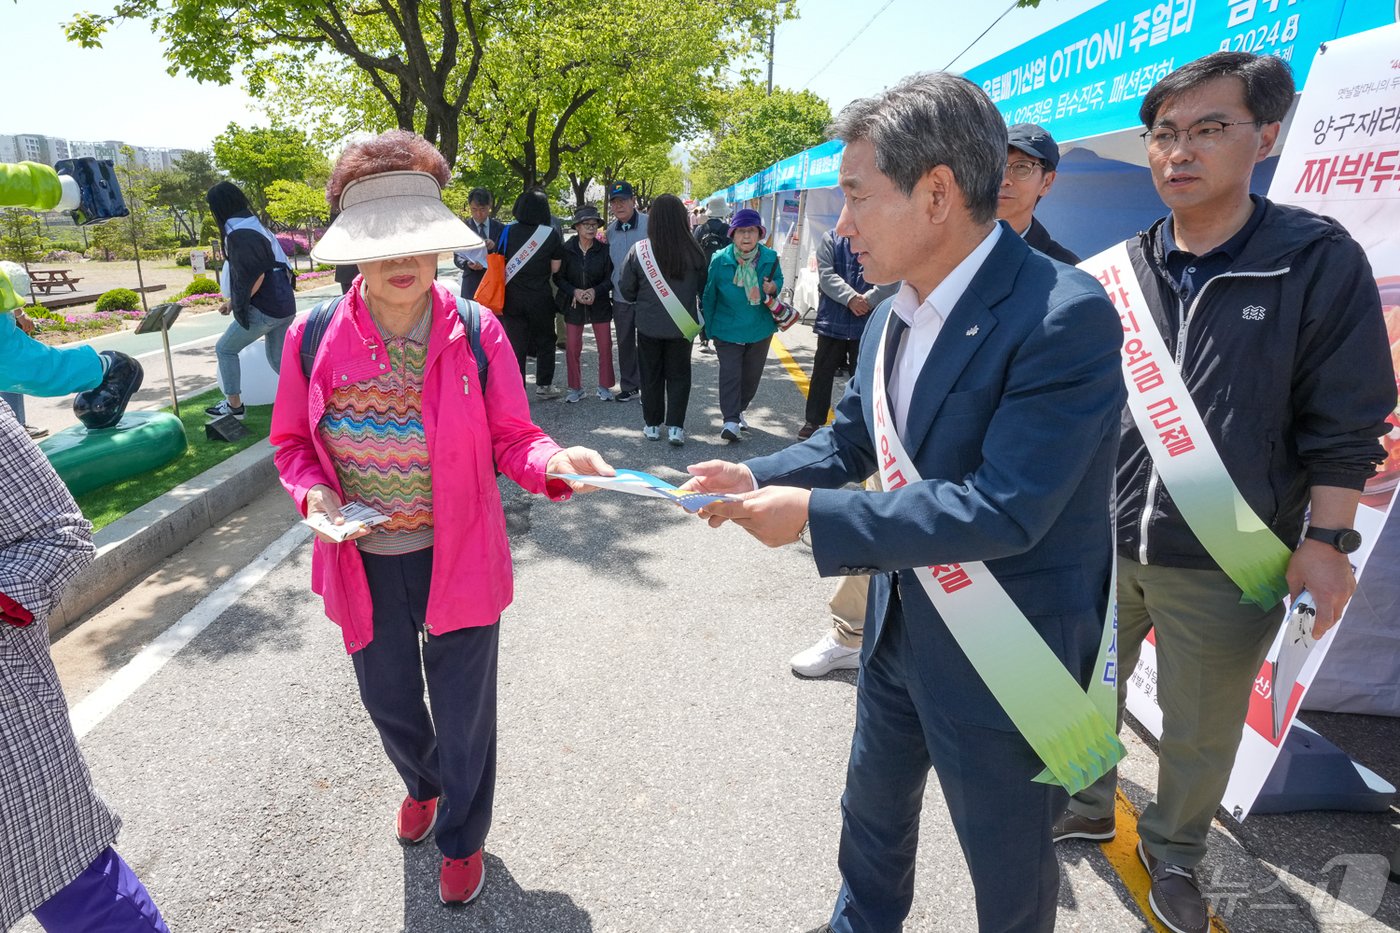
(470, 313)
(315, 332)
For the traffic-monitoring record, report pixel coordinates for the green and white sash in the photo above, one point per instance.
(1070, 729)
(531, 247)
(1181, 448)
(689, 327)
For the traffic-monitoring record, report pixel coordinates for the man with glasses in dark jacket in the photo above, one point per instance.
(1032, 159)
(1266, 320)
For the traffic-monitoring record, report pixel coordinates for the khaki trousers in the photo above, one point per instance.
(1209, 648)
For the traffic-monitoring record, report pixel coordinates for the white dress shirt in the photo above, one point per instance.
(925, 321)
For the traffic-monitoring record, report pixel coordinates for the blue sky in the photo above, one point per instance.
(122, 91)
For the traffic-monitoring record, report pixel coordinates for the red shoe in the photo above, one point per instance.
(416, 819)
(461, 879)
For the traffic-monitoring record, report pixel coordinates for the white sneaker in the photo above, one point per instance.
(743, 422)
(675, 435)
(546, 392)
(652, 432)
(824, 657)
(575, 395)
(604, 395)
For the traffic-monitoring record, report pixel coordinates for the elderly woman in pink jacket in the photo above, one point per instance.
(387, 409)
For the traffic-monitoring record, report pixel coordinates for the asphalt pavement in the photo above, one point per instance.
(661, 768)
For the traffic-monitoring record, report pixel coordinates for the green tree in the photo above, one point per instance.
(21, 236)
(297, 205)
(257, 157)
(754, 130)
(181, 193)
(495, 77)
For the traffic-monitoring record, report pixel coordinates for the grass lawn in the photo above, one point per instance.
(106, 505)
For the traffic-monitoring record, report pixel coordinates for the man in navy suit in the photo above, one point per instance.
(1002, 380)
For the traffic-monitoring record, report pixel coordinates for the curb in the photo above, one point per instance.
(133, 544)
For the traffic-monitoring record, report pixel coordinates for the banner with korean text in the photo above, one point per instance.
(1087, 76)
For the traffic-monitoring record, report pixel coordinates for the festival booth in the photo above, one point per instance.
(1339, 155)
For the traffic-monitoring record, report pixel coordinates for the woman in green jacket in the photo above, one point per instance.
(742, 275)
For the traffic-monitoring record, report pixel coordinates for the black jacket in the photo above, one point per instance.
(579, 270)
(1287, 361)
(653, 320)
(249, 255)
(1037, 237)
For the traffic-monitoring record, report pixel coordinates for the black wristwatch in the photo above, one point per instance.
(1345, 540)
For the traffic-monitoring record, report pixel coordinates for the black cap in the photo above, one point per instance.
(585, 213)
(620, 189)
(1034, 141)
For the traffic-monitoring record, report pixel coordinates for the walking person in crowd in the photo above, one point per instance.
(534, 251)
(56, 832)
(472, 262)
(584, 284)
(395, 366)
(1032, 158)
(256, 281)
(741, 276)
(713, 236)
(963, 396)
(625, 232)
(662, 280)
(1293, 392)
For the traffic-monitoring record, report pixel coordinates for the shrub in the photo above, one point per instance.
(41, 313)
(119, 299)
(322, 267)
(202, 285)
(182, 258)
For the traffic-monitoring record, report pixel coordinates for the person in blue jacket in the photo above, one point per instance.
(741, 276)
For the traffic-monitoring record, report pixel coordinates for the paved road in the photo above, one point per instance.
(661, 768)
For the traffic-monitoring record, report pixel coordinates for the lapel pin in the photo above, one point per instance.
(972, 331)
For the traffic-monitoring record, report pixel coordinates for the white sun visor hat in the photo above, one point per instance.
(392, 214)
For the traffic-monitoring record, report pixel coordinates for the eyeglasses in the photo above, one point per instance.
(1202, 134)
(1022, 170)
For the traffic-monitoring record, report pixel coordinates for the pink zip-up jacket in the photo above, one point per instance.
(467, 441)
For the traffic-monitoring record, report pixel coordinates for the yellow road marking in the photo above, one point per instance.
(804, 384)
(1121, 850)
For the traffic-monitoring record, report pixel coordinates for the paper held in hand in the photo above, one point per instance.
(357, 516)
(637, 483)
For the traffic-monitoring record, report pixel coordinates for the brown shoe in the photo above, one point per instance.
(1175, 896)
(807, 430)
(1072, 825)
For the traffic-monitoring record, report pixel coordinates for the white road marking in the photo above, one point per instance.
(97, 705)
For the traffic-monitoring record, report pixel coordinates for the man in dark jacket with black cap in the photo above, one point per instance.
(1259, 381)
(1032, 158)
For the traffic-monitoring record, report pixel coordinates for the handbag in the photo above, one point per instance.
(783, 315)
(491, 290)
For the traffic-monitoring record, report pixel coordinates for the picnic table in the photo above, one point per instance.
(46, 280)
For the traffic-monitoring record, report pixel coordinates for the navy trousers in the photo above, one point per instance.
(1002, 817)
(106, 898)
(452, 752)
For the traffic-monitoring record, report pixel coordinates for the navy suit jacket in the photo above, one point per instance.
(1013, 427)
